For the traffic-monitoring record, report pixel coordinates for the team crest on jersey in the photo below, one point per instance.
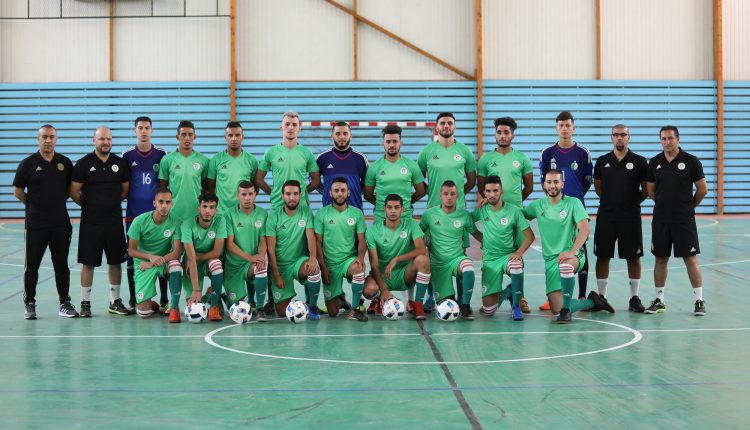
(574, 166)
(155, 167)
(211, 234)
(258, 223)
(403, 235)
(197, 166)
(404, 171)
(350, 221)
(553, 165)
(301, 223)
(563, 214)
(457, 224)
(276, 295)
(484, 289)
(139, 295)
(503, 221)
(167, 233)
(681, 166)
(115, 168)
(60, 167)
(233, 296)
(327, 293)
(629, 166)
(516, 164)
(457, 157)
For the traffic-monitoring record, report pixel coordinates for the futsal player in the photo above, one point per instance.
(228, 168)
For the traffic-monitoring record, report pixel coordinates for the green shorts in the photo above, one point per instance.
(396, 281)
(234, 280)
(338, 273)
(552, 272)
(442, 277)
(289, 272)
(145, 281)
(492, 275)
(187, 286)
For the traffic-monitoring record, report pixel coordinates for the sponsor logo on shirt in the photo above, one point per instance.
(437, 222)
(240, 225)
(658, 166)
(92, 169)
(38, 168)
(330, 166)
(177, 167)
(224, 166)
(607, 165)
(494, 164)
(330, 221)
(435, 157)
(280, 160)
(133, 164)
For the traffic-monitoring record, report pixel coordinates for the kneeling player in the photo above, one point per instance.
(155, 247)
(203, 238)
(246, 250)
(502, 226)
(400, 246)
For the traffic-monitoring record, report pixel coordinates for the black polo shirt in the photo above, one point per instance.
(47, 187)
(673, 200)
(102, 185)
(621, 185)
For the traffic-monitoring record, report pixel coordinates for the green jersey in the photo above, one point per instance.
(446, 232)
(511, 168)
(290, 233)
(228, 171)
(203, 238)
(184, 175)
(153, 238)
(286, 164)
(398, 177)
(389, 244)
(501, 230)
(246, 229)
(339, 231)
(558, 224)
(441, 164)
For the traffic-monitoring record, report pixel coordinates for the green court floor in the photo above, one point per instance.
(614, 371)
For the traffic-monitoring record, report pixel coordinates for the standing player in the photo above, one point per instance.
(447, 160)
(393, 174)
(340, 241)
(620, 183)
(42, 184)
(343, 161)
(143, 159)
(288, 160)
(398, 256)
(503, 224)
(574, 161)
(671, 177)
(100, 183)
(184, 172)
(154, 244)
(229, 167)
(564, 226)
(292, 251)
(514, 169)
(246, 249)
(203, 237)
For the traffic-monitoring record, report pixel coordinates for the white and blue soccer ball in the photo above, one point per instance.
(447, 310)
(393, 309)
(241, 312)
(296, 312)
(196, 312)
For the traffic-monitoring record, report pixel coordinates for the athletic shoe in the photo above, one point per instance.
(635, 305)
(260, 316)
(600, 303)
(466, 312)
(118, 308)
(516, 312)
(30, 312)
(565, 316)
(700, 308)
(429, 304)
(657, 306)
(356, 314)
(214, 314)
(375, 308)
(85, 309)
(67, 310)
(164, 308)
(524, 305)
(174, 316)
(544, 306)
(419, 311)
(132, 305)
(269, 308)
(314, 313)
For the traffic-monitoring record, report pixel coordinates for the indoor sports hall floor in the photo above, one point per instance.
(626, 370)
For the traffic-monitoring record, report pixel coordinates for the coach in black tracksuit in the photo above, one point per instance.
(42, 184)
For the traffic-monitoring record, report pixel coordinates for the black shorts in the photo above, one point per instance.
(684, 237)
(93, 239)
(627, 234)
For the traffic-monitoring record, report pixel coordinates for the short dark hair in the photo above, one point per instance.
(670, 128)
(339, 180)
(443, 115)
(493, 179)
(392, 129)
(247, 184)
(162, 190)
(449, 183)
(394, 198)
(142, 118)
(555, 172)
(564, 116)
(185, 124)
(234, 124)
(208, 197)
(506, 121)
(341, 124)
(48, 126)
(291, 183)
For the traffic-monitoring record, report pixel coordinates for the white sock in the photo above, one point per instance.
(601, 285)
(698, 293)
(660, 293)
(85, 294)
(114, 292)
(635, 284)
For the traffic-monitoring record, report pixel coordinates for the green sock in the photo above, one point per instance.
(313, 289)
(217, 281)
(175, 289)
(516, 288)
(261, 286)
(580, 304)
(467, 280)
(357, 288)
(250, 286)
(423, 280)
(430, 291)
(568, 285)
(505, 294)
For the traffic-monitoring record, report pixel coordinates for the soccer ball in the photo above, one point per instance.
(240, 312)
(393, 309)
(447, 310)
(296, 312)
(196, 312)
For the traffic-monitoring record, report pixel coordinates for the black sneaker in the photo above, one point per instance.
(269, 308)
(118, 308)
(357, 314)
(657, 306)
(30, 312)
(600, 303)
(565, 316)
(700, 308)
(67, 310)
(466, 312)
(85, 309)
(260, 316)
(635, 305)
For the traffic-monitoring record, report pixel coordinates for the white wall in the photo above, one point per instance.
(736, 40)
